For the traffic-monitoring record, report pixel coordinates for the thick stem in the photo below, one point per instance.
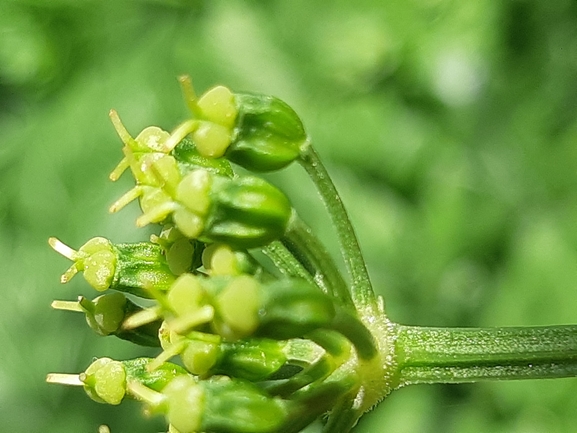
(302, 243)
(457, 355)
(361, 289)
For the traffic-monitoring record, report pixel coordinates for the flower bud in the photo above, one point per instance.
(292, 308)
(130, 268)
(106, 315)
(258, 132)
(248, 212)
(96, 258)
(221, 259)
(251, 359)
(105, 381)
(222, 404)
(151, 147)
(268, 134)
(281, 309)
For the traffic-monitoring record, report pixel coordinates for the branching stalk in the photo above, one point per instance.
(307, 249)
(361, 288)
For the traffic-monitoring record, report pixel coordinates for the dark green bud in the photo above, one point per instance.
(268, 134)
(106, 314)
(292, 308)
(248, 212)
(252, 359)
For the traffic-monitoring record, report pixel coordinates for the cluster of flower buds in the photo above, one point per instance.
(254, 349)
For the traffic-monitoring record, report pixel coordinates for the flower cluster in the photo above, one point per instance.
(257, 328)
(248, 342)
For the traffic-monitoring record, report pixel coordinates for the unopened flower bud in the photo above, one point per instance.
(221, 259)
(258, 132)
(131, 268)
(105, 381)
(222, 404)
(268, 134)
(248, 212)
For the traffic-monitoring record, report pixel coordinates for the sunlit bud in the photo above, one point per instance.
(106, 380)
(186, 295)
(199, 356)
(221, 259)
(238, 306)
(96, 259)
(194, 191)
(189, 223)
(218, 105)
(185, 401)
(211, 139)
(150, 140)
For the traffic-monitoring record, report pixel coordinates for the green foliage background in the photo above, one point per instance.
(450, 128)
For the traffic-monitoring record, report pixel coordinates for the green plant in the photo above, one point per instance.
(270, 334)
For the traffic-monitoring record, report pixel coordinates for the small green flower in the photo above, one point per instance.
(106, 315)
(131, 268)
(257, 132)
(245, 211)
(107, 380)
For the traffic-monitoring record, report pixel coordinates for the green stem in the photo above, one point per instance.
(457, 355)
(361, 289)
(352, 328)
(343, 416)
(302, 243)
(286, 263)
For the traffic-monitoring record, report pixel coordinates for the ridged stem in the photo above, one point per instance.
(458, 355)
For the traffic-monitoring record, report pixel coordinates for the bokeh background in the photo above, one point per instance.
(450, 128)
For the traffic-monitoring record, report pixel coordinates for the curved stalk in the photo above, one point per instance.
(286, 263)
(361, 288)
(308, 250)
(458, 355)
(344, 416)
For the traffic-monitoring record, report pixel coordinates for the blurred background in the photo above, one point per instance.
(450, 128)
